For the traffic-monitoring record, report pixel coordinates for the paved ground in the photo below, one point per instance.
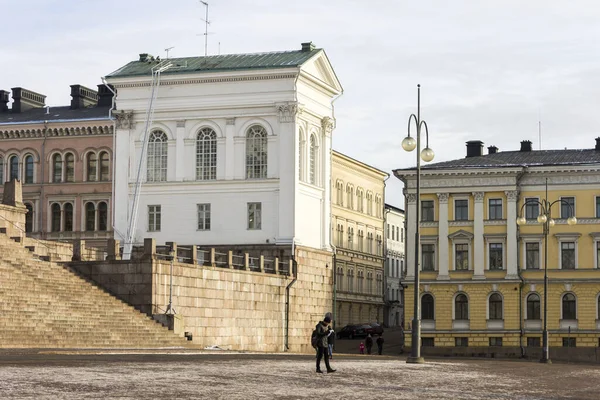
(250, 376)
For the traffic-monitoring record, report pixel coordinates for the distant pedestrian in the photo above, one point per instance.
(380, 344)
(330, 340)
(322, 346)
(361, 348)
(369, 343)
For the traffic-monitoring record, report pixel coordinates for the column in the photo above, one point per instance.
(125, 164)
(325, 177)
(478, 246)
(411, 228)
(443, 259)
(511, 235)
(179, 151)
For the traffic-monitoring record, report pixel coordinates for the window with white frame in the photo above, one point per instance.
(55, 219)
(203, 217)
(314, 150)
(532, 255)
(597, 202)
(378, 207)
(256, 152)
(90, 216)
(254, 216)
(91, 166)
(340, 193)
(28, 169)
(157, 157)
(569, 306)
(427, 307)
(206, 154)
(350, 196)
(154, 218)
(351, 238)
(461, 307)
(370, 242)
(360, 199)
(461, 209)
(301, 157)
(427, 211)
(532, 208)
(597, 243)
(567, 255)
(496, 252)
(461, 257)
(361, 240)
(388, 230)
(495, 209)
(57, 168)
(70, 167)
(428, 257)
(567, 207)
(495, 306)
(369, 203)
(533, 306)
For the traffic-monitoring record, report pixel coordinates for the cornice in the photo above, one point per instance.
(57, 132)
(191, 81)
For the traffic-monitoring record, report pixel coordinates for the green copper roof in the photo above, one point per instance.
(226, 62)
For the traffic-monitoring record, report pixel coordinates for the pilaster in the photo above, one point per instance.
(511, 235)
(411, 227)
(443, 259)
(229, 149)
(179, 151)
(478, 246)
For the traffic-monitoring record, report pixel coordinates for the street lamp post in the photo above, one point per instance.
(409, 144)
(545, 218)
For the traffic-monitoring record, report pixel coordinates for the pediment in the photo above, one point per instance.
(320, 69)
(461, 234)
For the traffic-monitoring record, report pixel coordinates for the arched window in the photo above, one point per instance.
(157, 157)
(68, 213)
(57, 168)
(569, 306)
(206, 155)
(1, 170)
(29, 168)
(301, 144)
(92, 167)
(55, 211)
(69, 167)
(104, 166)
(350, 196)
(13, 164)
(313, 160)
(102, 216)
(461, 307)
(495, 303)
(427, 307)
(533, 306)
(256, 152)
(90, 217)
(29, 218)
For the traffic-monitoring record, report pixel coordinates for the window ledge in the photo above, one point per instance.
(565, 324)
(460, 324)
(533, 324)
(428, 324)
(495, 324)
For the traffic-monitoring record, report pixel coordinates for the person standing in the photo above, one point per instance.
(369, 343)
(380, 344)
(330, 340)
(322, 346)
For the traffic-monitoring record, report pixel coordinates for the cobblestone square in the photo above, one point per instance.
(252, 376)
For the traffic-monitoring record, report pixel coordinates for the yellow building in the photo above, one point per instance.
(357, 233)
(482, 279)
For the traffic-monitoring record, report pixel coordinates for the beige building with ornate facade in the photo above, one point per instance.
(357, 224)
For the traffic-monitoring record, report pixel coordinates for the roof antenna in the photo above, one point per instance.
(206, 23)
(167, 50)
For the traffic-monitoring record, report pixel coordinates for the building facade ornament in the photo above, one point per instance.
(230, 121)
(411, 198)
(478, 196)
(511, 195)
(327, 124)
(124, 119)
(443, 198)
(287, 112)
(181, 124)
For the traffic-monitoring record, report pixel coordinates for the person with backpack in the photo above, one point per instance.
(319, 339)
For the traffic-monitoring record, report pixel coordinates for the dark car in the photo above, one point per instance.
(349, 331)
(376, 329)
(362, 330)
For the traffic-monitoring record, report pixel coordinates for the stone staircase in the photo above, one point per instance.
(45, 305)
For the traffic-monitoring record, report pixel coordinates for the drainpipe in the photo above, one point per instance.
(294, 271)
(110, 116)
(522, 283)
(43, 162)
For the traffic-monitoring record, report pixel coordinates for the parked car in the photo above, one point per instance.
(362, 330)
(376, 329)
(349, 331)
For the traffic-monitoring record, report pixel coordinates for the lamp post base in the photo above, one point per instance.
(415, 360)
(546, 361)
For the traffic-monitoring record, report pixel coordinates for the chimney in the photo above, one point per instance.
(308, 46)
(105, 96)
(4, 99)
(82, 97)
(474, 148)
(526, 145)
(598, 144)
(492, 150)
(24, 100)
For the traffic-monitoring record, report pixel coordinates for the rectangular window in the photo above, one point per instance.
(254, 215)
(428, 257)
(532, 208)
(496, 341)
(204, 217)
(567, 255)
(598, 207)
(567, 207)
(154, 218)
(462, 257)
(428, 342)
(533, 342)
(427, 210)
(569, 342)
(388, 231)
(461, 210)
(461, 341)
(597, 254)
(496, 256)
(495, 211)
(398, 234)
(532, 255)
(393, 233)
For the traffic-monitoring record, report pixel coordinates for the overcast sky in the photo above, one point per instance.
(489, 70)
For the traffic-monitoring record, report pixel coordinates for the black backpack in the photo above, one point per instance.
(314, 339)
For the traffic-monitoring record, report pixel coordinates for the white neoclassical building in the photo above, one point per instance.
(238, 148)
(395, 247)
